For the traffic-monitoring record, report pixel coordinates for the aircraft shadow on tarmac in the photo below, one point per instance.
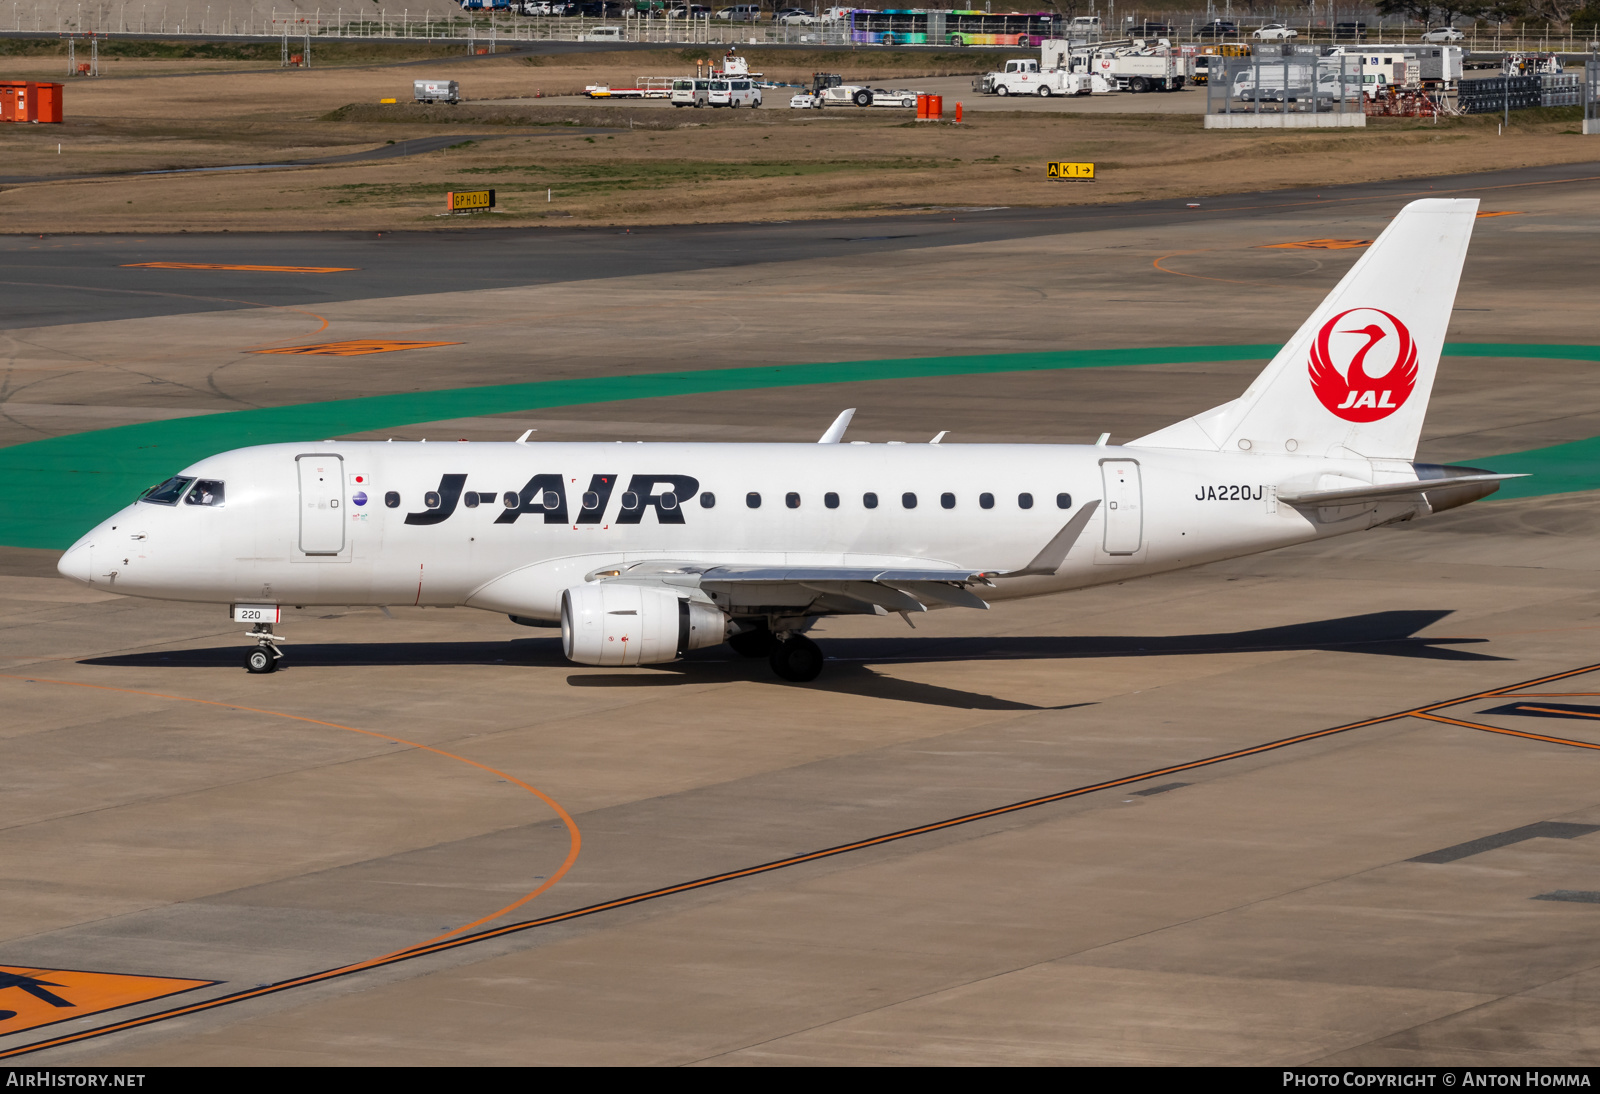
(1387, 634)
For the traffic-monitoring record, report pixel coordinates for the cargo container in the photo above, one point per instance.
(29, 101)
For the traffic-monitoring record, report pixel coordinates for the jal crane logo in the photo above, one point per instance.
(1363, 364)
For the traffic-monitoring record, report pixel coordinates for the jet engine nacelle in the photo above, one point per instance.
(615, 624)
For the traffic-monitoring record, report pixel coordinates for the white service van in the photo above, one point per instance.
(687, 91)
(736, 92)
(601, 34)
(1084, 28)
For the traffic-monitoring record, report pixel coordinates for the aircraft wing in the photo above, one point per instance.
(824, 590)
(845, 589)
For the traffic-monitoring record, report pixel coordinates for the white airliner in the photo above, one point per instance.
(642, 552)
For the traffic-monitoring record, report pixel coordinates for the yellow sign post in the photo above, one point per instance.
(459, 201)
(1072, 171)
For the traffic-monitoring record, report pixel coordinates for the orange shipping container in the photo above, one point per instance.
(27, 101)
(10, 91)
(47, 103)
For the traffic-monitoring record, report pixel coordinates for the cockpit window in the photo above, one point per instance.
(205, 492)
(168, 492)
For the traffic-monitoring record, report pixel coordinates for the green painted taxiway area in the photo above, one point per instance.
(60, 487)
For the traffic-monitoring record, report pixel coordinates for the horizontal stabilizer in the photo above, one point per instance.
(1389, 491)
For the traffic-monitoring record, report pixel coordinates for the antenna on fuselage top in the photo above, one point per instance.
(524, 438)
(835, 432)
(943, 433)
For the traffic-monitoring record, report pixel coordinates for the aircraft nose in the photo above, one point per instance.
(77, 563)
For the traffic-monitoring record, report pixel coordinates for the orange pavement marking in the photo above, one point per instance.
(1321, 244)
(33, 997)
(227, 266)
(355, 347)
(1507, 213)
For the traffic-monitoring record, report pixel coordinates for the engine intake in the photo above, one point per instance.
(610, 623)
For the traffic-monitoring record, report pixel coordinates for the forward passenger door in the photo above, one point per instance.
(321, 504)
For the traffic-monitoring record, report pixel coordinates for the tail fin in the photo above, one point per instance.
(1355, 378)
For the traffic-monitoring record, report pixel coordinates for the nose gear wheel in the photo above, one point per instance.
(265, 657)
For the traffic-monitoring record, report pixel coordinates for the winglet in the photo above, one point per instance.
(835, 432)
(1049, 560)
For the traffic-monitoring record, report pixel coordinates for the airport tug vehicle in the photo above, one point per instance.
(640, 553)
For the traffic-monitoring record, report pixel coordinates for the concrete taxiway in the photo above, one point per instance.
(340, 863)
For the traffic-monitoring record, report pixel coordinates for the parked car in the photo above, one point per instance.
(1217, 29)
(1353, 31)
(1150, 30)
(689, 11)
(601, 34)
(794, 17)
(1275, 32)
(739, 13)
(1443, 34)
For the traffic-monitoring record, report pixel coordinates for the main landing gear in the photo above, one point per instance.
(266, 655)
(795, 658)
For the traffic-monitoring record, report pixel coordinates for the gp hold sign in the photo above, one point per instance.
(1071, 171)
(466, 201)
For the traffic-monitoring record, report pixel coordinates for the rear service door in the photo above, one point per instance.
(321, 504)
(1124, 506)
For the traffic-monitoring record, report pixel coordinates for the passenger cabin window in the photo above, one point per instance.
(947, 500)
(205, 492)
(630, 500)
(708, 500)
(909, 500)
(550, 499)
(869, 500)
(986, 501)
(431, 499)
(831, 500)
(1024, 501)
(1063, 501)
(392, 499)
(753, 500)
(470, 499)
(792, 500)
(591, 500)
(168, 492)
(668, 501)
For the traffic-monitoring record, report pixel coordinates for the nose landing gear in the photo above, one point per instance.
(266, 655)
